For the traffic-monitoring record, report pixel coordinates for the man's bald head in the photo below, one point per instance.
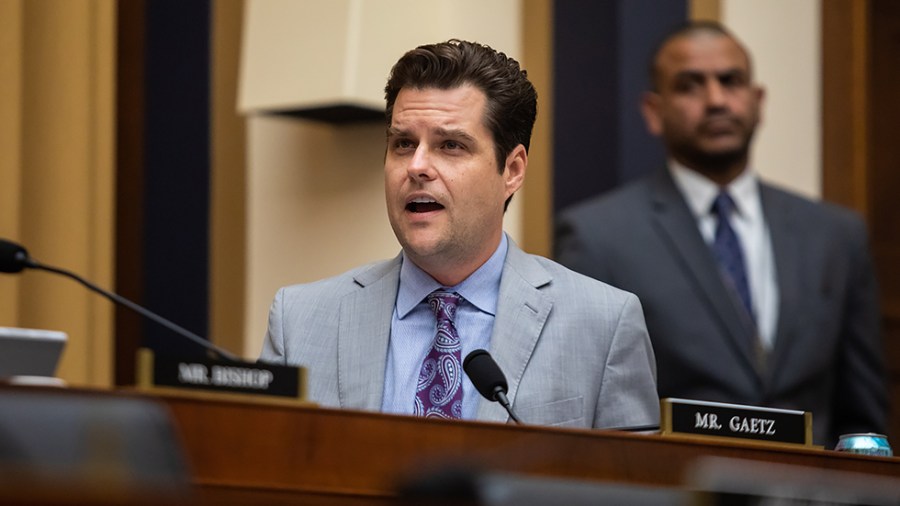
(689, 30)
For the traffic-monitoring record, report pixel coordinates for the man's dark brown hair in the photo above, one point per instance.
(511, 98)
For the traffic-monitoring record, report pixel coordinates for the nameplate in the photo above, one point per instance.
(245, 378)
(702, 418)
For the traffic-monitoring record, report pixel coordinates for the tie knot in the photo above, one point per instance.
(723, 205)
(443, 304)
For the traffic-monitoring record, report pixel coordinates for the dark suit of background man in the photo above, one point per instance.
(774, 304)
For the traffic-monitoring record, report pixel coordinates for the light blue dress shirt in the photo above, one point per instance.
(413, 328)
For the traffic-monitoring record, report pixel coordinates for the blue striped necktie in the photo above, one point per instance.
(728, 252)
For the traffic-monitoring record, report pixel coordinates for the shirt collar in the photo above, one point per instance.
(480, 289)
(699, 192)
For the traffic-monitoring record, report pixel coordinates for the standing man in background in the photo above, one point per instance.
(391, 336)
(752, 295)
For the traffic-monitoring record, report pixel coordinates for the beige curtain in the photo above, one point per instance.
(57, 132)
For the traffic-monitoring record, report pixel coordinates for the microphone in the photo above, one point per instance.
(14, 258)
(488, 379)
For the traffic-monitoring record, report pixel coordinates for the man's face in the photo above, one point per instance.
(443, 188)
(706, 107)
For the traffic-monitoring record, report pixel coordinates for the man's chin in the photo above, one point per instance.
(422, 247)
(720, 145)
(719, 158)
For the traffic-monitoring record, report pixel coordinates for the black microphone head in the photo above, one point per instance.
(485, 374)
(13, 257)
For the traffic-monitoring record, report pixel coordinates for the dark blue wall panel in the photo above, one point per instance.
(601, 58)
(585, 80)
(176, 169)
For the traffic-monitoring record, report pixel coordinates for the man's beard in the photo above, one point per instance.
(722, 161)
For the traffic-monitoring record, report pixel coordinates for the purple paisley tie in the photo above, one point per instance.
(439, 390)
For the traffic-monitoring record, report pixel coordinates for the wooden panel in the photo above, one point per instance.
(861, 118)
(247, 451)
(892, 357)
(883, 158)
(537, 194)
(884, 150)
(844, 105)
(319, 453)
(129, 182)
(228, 230)
(10, 145)
(707, 10)
(66, 173)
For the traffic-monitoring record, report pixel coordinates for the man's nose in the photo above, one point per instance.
(421, 165)
(715, 94)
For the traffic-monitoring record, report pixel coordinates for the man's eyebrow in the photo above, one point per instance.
(734, 71)
(396, 132)
(456, 133)
(693, 73)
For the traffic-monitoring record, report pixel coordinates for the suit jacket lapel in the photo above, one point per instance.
(364, 331)
(678, 227)
(787, 243)
(522, 310)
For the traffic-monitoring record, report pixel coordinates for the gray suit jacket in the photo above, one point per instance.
(575, 351)
(827, 351)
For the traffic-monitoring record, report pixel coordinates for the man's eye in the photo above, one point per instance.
(686, 85)
(452, 145)
(403, 144)
(732, 80)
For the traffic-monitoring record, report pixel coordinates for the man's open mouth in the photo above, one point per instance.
(423, 206)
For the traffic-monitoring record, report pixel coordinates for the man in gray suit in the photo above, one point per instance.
(391, 336)
(752, 295)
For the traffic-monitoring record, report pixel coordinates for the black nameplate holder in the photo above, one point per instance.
(156, 370)
(735, 421)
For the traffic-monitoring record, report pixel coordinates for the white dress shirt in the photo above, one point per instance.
(749, 223)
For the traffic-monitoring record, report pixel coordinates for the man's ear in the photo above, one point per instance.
(650, 105)
(760, 101)
(514, 171)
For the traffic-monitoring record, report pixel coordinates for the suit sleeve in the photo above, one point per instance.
(628, 396)
(273, 345)
(861, 393)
